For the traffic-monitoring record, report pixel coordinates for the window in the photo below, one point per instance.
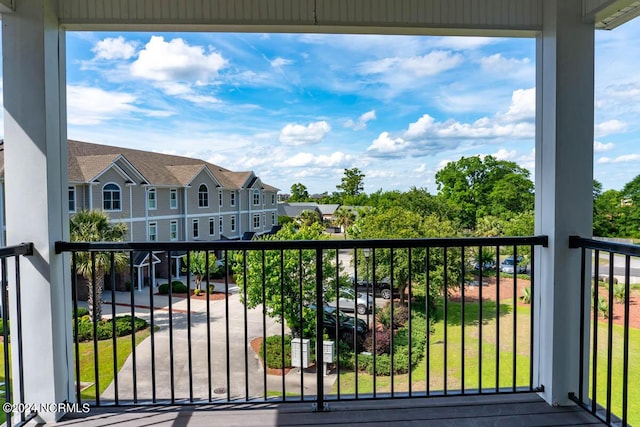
(173, 198)
(111, 198)
(220, 197)
(264, 219)
(256, 197)
(203, 196)
(233, 198)
(273, 218)
(256, 221)
(153, 231)
(233, 224)
(273, 199)
(151, 199)
(196, 228)
(220, 225)
(212, 226)
(173, 230)
(72, 199)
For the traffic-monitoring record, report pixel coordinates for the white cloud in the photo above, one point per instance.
(92, 106)
(610, 127)
(430, 64)
(442, 163)
(421, 169)
(336, 159)
(484, 128)
(380, 174)
(361, 123)
(523, 106)
(294, 134)
(280, 62)
(503, 154)
(114, 48)
(385, 144)
(600, 147)
(175, 60)
(463, 43)
(620, 159)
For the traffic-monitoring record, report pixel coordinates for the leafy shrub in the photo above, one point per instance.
(274, 351)
(619, 293)
(104, 328)
(603, 307)
(383, 342)
(197, 292)
(2, 326)
(217, 274)
(211, 289)
(81, 312)
(177, 287)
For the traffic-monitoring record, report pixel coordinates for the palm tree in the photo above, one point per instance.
(344, 219)
(94, 226)
(308, 218)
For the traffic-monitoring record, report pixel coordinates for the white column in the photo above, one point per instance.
(33, 48)
(564, 174)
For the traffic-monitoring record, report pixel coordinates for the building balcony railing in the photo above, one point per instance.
(434, 317)
(12, 383)
(608, 354)
(455, 322)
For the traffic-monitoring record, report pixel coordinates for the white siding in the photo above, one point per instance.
(407, 16)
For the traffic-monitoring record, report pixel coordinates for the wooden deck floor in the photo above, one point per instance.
(495, 410)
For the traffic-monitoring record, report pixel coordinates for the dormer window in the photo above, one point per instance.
(256, 197)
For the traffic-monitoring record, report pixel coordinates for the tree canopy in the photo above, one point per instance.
(352, 184)
(299, 193)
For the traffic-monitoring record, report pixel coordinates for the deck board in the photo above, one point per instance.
(493, 410)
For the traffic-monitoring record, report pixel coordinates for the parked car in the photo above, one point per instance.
(508, 265)
(353, 301)
(347, 325)
(487, 265)
(381, 287)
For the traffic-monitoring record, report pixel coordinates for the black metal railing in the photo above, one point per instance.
(12, 386)
(434, 317)
(605, 357)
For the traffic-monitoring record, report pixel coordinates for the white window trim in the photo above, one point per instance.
(273, 199)
(220, 201)
(232, 197)
(233, 223)
(256, 218)
(119, 191)
(171, 200)
(207, 187)
(221, 224)
(155, 226)
(195, 226)
(256, 191)
(212, 221)
(72, 189)
(155, 199)
(171, 224)
(273, 218)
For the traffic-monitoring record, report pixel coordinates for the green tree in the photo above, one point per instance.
(287, 283)
(95, 226)
(479, 186)
(608, 215)
(299, 193)
(200, 265)
(308, 218)
(352, 184)
(344, 218)
(400, 223)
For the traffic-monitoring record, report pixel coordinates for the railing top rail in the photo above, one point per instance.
(618, 248)
(21, 249)
(301, 244)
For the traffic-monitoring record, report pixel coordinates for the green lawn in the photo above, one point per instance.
(489, 355)
(105, 361)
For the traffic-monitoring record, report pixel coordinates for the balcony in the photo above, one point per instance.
(200, 355)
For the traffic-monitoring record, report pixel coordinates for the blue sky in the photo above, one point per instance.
(302, 108)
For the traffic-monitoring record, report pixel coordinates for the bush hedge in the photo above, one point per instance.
(274, 351)
(104, 328)
(177, 287)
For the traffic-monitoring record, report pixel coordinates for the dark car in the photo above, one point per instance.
(346, 326)
(381, 287)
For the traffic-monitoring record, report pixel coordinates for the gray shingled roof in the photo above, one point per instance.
(87, 160)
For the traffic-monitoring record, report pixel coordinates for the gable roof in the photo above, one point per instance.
(86, 161)
(294, 209)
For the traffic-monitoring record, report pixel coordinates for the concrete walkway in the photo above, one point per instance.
(246, 377)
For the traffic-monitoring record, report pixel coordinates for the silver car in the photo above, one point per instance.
(508, 265)
(353, 301)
